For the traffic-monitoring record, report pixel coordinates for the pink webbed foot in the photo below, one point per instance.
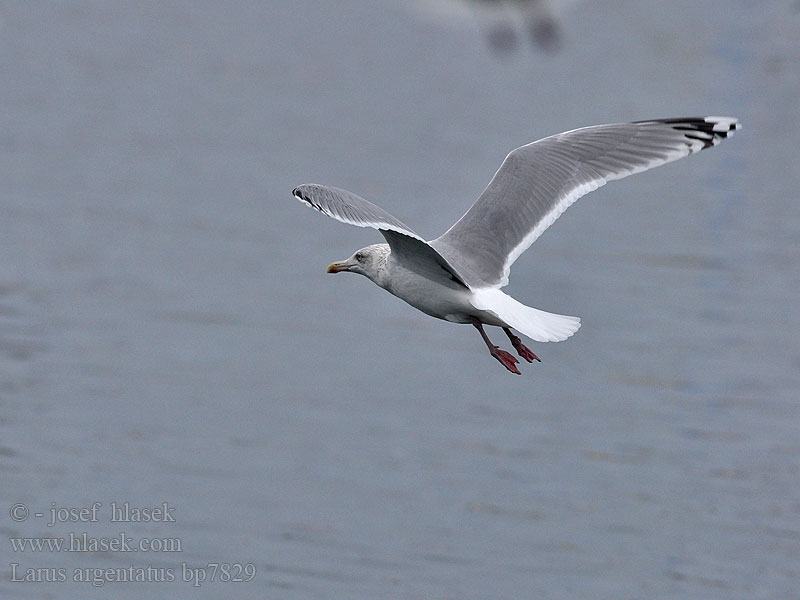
(521, 348)
(524, 351)
(506, 359)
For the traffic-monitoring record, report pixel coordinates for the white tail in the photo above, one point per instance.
(534, 323)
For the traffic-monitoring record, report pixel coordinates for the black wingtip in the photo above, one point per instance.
(301, 192)
(709, 131)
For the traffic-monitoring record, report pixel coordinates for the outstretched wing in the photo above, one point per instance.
(348, 208)
(537, 182)
(407, 247)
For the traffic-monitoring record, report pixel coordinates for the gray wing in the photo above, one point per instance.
(537, 182)
(348, 208)
(407, 247)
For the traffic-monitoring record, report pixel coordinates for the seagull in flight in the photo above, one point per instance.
(459, 276)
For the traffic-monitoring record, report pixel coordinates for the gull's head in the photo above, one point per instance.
(368, 261)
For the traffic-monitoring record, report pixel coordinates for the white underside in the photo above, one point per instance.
(490, 305)
(536, 324)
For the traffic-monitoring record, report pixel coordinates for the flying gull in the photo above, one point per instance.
(458, 276)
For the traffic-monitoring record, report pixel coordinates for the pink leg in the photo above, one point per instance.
(505, 358)
(521, 349)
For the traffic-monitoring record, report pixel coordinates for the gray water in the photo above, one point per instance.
(168, 333)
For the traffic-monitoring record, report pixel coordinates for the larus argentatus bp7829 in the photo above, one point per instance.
(458, 276)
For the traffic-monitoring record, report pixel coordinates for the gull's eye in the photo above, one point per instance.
(360, 257)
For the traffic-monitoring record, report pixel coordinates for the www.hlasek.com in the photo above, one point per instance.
(99, 576)
(83, 542)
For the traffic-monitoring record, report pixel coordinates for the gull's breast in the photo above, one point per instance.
(439, 299)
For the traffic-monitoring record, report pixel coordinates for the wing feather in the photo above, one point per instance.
(539, 181)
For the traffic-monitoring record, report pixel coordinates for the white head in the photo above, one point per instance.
(369, 261)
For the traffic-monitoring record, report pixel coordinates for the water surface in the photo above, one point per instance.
(168, 333)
